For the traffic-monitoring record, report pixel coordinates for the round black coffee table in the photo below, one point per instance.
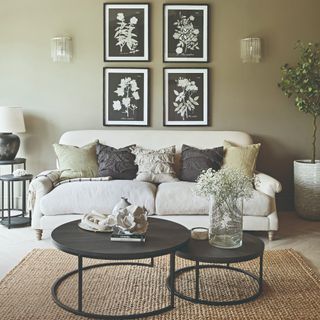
(201, 251)
(163, 237)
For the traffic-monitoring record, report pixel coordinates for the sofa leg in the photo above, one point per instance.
(270, 235)
(39, 234)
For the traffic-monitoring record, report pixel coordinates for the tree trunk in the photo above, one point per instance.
(314, 137)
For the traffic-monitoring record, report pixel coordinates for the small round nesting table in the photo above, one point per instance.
(20, 219)
(163, 237)
(201, 251)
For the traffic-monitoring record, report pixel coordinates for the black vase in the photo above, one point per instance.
(9, 146)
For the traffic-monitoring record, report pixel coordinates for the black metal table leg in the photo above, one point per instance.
(172, 277)
(24, 207)
(9, 206)
(2, 202)
(80, 283)
(197, 280)
(152, 262)
(261, 274)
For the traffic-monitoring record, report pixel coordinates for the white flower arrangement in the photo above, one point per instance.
(228, 186)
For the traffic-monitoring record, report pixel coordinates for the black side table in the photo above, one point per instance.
(201, 251)
(20, 219)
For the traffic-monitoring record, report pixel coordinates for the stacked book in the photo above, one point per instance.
(128, 237)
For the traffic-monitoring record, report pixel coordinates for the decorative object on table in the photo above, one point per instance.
(99, 222)
(302, 82)
(186, 100)
(123, 203)
(20, 173)
(131, 220)
(11, 120)
(194, 161)
(14, 219)
(61, 49)
(185, 34)
(200, 233)
(75, 162)
(226, 189)
(126, 32)
(125, 96)
(241, 157)
(250, 50)
(155, 166)
(116, 163)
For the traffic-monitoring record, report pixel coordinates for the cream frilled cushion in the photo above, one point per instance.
(155, 165)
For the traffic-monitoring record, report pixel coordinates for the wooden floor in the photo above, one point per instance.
(301, 235)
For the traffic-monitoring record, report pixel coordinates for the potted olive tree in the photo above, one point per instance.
(302, 82)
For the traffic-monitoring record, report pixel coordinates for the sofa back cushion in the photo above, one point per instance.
(157, 139)
(194, 161)
(77, 162)
(155, 165)
(116, 163)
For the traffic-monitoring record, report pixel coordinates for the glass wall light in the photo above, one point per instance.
(250, 50)
(61, 49)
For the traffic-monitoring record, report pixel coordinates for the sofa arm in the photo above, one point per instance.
(40, 186)
(267, 184)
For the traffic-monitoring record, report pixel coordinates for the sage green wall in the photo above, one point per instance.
(61, 97)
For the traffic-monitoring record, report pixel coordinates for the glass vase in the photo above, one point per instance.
(225, 229)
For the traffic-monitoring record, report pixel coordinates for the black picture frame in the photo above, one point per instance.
(126, 96)
(133, 18)
(186, 33)
(179, 83)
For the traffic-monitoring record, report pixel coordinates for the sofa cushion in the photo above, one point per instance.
(75, 162)
(155, 165)
(116, 163)
(84, 196)
(241, 157)
(176, 198)
(194, 161)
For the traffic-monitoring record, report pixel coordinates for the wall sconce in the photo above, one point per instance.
(61, 49)
(250, 50)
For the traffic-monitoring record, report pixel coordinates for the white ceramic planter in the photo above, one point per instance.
(307, 189)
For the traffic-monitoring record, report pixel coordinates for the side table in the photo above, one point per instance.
(219, 259)
(20, 219)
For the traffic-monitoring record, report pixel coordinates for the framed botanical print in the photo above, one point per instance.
(126, 32)
(125, 96)
(185, 34)
(186, 96)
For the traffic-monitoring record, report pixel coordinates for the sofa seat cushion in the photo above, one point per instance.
(178, 198)
(85, 196)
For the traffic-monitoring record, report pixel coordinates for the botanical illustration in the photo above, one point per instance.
(124, 33)
(186, 100)
(186, 34)
(128, 93)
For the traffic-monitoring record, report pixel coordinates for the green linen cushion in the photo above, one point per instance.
(241, 157)
(75, 162)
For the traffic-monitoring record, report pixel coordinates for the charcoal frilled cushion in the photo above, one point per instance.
(116, 163)
(194, 161)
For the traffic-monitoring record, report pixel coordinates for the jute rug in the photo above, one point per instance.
(291, 289)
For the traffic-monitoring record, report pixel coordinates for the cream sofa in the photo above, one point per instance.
(174, 201)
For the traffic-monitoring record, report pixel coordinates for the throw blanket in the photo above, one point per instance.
(47, 180)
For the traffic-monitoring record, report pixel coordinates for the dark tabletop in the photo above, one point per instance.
(11, 177)
(200, 250)
(163, 237)
(15, 161)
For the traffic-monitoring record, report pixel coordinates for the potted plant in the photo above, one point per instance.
(302, 82)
